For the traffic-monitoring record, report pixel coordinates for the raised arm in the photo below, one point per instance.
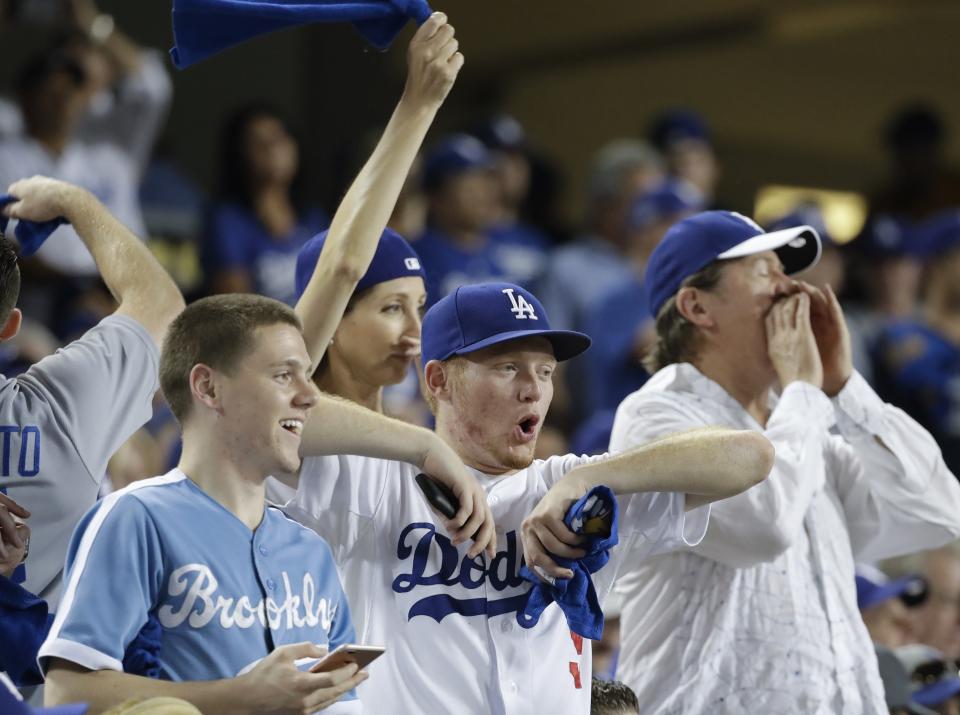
(338, 426)
(143, 289)
(433, 62)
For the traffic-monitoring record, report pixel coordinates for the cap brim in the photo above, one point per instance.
(939, 692)
(566, 343)
(798, 248)
(891, 589)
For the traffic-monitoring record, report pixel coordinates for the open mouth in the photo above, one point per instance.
(526, 428)
(293, 426)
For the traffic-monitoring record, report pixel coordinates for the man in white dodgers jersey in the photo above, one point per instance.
(66, 415)
(240, 593)
(450, 619)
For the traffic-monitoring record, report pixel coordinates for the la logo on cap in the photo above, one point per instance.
(412, 264)
(521, 309)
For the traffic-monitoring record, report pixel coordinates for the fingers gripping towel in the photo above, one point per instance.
(595, 516)
(202, 28)
(30, 234)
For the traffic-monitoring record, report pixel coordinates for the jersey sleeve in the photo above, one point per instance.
(113, 578)
(99, 388)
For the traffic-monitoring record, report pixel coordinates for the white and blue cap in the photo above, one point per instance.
(934, 678)
(474, 317)
(693, 243)
(394, 258)
(875, 587)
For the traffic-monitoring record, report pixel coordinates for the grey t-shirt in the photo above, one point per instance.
(60, 422)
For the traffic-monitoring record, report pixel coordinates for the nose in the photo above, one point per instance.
(530, 388)
(411, 325)
(307, 393)
(783, 284)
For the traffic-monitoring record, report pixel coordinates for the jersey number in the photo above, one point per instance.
(574, 666)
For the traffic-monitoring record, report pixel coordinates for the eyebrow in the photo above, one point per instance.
(293, 362)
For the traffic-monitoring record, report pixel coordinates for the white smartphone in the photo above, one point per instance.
(362, 655)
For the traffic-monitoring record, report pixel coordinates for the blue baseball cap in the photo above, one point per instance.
(666, 199)
(695, 242)
(394, 258)
(452, 155)
(502, 133)
(874, 587)
(474, 317)
(891, 236)
(941, 233)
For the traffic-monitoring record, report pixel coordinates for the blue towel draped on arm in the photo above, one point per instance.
(595, 516)
(202, 28)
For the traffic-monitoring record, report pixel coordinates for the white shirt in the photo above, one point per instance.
(103, 169)
(450, 628)
(761, 616)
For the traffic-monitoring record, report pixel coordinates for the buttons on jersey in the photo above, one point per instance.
(492, 501)
(506, 625)
(263, 550)
(512, 688)
(271, 584)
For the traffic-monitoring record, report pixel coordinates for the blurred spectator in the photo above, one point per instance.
(261, 222)
(918, 358)
(935, 680)
(884, 605)
(612, 698)
(463, 242)
(91, 107)
(936, 622)
(897, 685)
(920, 184)
(620, 322)
(684, 140)
(621, 170)
(507, 142)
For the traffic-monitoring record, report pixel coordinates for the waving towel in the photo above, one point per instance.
(30, 234)
(595, 516)
(204, 27)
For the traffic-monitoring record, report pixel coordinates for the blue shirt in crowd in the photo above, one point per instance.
(237, 240)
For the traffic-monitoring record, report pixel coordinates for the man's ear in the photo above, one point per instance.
(691, 304)
(436, 376)
(204, 388)
(12, 326)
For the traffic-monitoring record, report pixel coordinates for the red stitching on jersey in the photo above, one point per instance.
(575, 672)
(577, 642)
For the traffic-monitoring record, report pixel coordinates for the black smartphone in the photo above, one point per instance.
(439, 495)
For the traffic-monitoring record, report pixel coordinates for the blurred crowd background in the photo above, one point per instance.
(574, 139)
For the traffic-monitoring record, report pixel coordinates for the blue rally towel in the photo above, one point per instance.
(596, 516)
(202, 28)
(30, 234)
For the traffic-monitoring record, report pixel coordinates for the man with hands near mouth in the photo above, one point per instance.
(766, 602)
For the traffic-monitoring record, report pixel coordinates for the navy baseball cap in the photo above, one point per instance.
(474, 317)
(454, 155)
(935, 678)
(893, 236)
(502, 133)
(678, 125)
(394, 258)
(695, 242)
(669, 198)
(874, 587)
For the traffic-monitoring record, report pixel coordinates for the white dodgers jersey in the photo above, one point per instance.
(454, 641)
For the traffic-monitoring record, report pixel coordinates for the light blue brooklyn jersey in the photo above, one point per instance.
(225, 596)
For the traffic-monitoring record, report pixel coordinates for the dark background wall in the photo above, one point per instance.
(796, 91)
